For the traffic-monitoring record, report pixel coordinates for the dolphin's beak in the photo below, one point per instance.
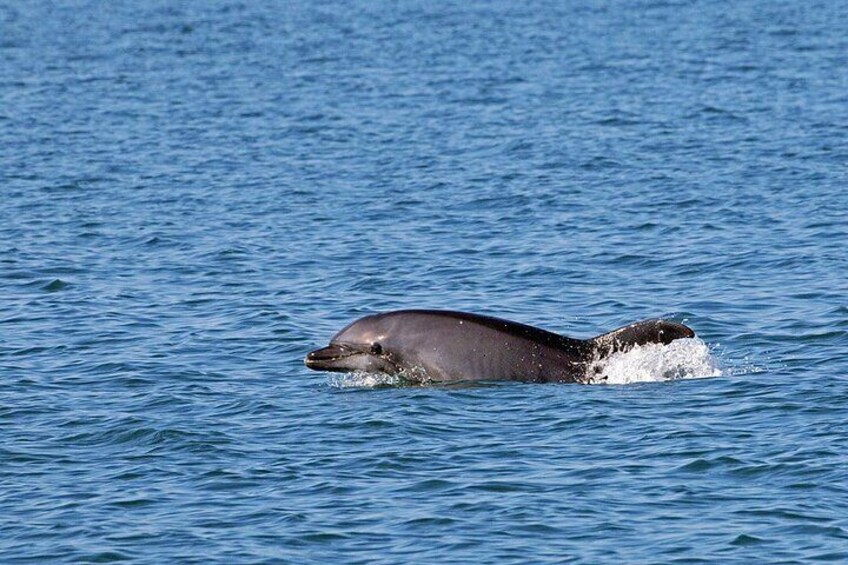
(327, 358)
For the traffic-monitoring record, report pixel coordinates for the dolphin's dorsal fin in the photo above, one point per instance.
(639, 333)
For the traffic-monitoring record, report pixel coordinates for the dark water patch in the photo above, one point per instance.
(743, 540)
(109, 557)
(56, 285)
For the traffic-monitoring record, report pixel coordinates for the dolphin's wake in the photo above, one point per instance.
(681, 359)
(361, 379)
(364, 379)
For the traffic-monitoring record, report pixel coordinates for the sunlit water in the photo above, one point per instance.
(194, 195)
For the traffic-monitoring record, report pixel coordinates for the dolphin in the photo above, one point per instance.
(445, 346)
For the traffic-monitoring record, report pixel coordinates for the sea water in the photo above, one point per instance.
(193, 195)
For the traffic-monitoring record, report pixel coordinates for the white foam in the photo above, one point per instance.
(361, 379)
(681, 359)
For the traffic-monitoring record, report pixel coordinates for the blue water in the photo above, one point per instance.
(195, 194)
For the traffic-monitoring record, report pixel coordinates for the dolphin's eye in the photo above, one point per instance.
(376, 349)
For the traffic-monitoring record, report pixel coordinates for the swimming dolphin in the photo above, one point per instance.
(434, 345)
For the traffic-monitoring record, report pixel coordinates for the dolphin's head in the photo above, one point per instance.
(361, 346)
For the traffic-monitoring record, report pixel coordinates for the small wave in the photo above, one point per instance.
(363, 380)
(681, 359)
(360, 379)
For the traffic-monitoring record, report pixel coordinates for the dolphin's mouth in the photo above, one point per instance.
(329, 358)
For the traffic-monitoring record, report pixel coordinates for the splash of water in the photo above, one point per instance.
(361, 379)
(681, 359)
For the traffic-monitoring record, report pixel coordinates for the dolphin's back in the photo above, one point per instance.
(508, 327)
(458, 346)
(639, 333)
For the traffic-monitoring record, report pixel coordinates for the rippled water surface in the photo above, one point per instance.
(195, 194)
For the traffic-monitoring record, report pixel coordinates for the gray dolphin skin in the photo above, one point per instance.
(444, 346)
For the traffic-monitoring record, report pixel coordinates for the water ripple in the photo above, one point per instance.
(196, 195)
